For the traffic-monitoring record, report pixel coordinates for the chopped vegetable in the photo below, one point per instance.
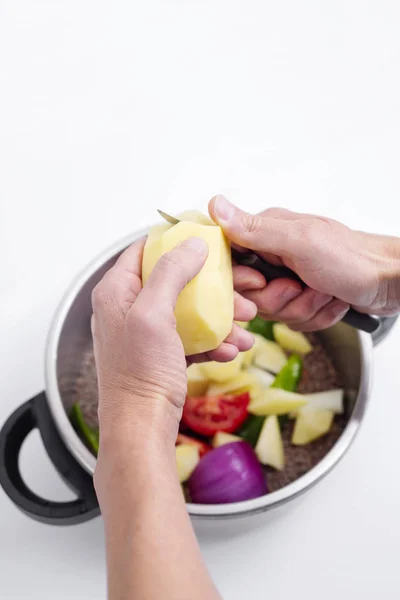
(275, 401)
(269, 356)
(90, 435)
(290, 340)
(221, 438)
(310, 425)
(248, 355)
(230, 473)
(197, 382)
(187, 457)
(208, 414)
(269, 448)
(243, 324)
(250, 430)
(290, 374)
(330, 400)
(262, 327)
(243, 382)
(220, 372)
(204, 309)
(202, 447)
(265, 379)
(195, 216)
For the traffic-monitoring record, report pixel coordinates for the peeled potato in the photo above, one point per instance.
(243, 382)
(197, 383)
(221, 372)
(153, 248)
(265, 378)
(268, 355)
(221, 438)
(269, 447)
(293, 341)
(274, 401)
(249, 356)
(195, 216)
(310, 425)
(204, 310)
(187, 457)
(330, 400)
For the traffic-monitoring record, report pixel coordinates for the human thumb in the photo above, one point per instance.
(173, 271)
(255, 232)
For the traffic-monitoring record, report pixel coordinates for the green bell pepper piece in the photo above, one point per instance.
(90, 435)
(287, 379)
(289, 376)
(264, 328)
(250, 430)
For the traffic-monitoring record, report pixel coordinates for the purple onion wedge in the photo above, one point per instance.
(230, 473)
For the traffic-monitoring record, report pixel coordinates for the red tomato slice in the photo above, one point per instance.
(208, 414)
(203, 447)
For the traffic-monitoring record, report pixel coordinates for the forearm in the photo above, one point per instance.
(383, 253)
(152, 551)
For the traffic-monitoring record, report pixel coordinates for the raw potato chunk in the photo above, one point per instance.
(274, 401)
(204, 310)
(264, 377)
(152, 251)
(330, 400)
(243, 382)
(269, 447)
(221, 438)
(197, 383)
(310, 425)
(268, 355)
(249, 356)
(221, 372)
(290, 340)
(187, 457)
(195, 216)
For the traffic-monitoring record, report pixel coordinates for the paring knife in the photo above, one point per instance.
(353, 318)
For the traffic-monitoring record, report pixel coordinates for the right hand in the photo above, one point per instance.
(341, 267)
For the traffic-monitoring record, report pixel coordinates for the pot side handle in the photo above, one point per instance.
(385, 326)
(35, 414)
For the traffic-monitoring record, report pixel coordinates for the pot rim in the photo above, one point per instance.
(88, 461)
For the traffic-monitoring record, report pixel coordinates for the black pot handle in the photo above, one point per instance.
(33, 414)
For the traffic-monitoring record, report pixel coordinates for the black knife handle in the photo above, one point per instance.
(353, 318)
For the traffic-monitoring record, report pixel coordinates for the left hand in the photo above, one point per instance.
(140, 359)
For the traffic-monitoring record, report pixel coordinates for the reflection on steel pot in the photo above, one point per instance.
(68, 339)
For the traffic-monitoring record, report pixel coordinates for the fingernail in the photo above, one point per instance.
(338, 309)
(290, 293)
(252, 307)
(224, 210)
(197, 244)
(247, 340)
(319, 300)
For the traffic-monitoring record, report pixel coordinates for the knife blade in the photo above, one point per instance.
(168, 218)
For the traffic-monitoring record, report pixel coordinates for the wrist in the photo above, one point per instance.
(134, 449)
(388, 265)
(122, 412)
(134, 425)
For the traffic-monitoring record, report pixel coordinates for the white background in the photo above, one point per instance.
(109, 110)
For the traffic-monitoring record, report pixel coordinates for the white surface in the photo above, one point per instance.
(111, 109)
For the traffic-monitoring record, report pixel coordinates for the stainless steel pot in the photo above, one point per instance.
(67, 341)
